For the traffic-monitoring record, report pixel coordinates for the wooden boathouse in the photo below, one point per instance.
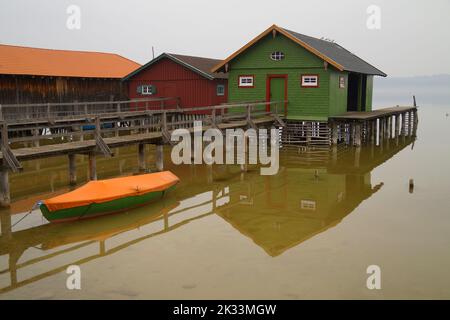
(322, 85)
(187, 78)
(34, 75)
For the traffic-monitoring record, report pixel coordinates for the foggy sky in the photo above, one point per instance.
(413, 39)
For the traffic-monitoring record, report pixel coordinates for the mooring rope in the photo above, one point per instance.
(34, 207)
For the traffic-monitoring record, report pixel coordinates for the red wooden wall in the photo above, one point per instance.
(174, 80)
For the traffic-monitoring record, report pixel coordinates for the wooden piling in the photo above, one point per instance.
(244, 166)
(357, 136)
(159, 157)
(36, 137)
(334, 133)
(403, 124)
(373, 133)
(411, 185)
(397, 125)
(92, 166)
(72, 170)
(5, 196)
(390, 126)
(141, 157)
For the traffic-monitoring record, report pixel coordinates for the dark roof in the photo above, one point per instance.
(200, 65)
(342, 56)
(328, 51)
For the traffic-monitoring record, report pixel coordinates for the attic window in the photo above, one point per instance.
(310, 81)
(277, 56)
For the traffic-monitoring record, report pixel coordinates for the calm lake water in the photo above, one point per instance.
(311, 231)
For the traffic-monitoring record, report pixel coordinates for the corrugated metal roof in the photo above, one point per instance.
(199, 65)
(16, 60)
(334, 51)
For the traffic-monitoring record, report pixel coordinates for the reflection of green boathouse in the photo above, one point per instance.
(328, 188)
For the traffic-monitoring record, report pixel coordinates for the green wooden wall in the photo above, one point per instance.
(304, 103)
(338, 96)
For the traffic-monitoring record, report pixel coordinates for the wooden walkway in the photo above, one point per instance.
(88, 146)
(93, 129)
(374, 114)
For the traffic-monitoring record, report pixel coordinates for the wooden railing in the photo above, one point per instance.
(20, 113)
(99, 119)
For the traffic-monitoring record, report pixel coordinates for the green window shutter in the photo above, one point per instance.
(153, 89)
(139, 89)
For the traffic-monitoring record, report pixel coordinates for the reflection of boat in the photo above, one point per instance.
(108, 196)
(264, 209)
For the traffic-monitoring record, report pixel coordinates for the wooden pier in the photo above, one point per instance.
(373, 126)
(42, 131)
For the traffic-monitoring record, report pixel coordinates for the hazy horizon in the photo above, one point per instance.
(406, 44)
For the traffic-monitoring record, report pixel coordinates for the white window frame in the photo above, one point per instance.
(246, 81)
(217, 90)
(277, 56)
(146, 89)
(341, 82)
(310, 80)
(308, 205)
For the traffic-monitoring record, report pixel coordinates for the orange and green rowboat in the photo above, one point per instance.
(102, 197)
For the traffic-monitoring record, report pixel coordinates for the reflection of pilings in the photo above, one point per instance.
(141, 157)
(92, 166)
(357, 156)
(5, 196)
(159, 157)
(357, 133)
(102, 247)
(72, 170)
(5, 220)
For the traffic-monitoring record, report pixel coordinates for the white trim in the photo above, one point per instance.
(246, 81)
(310, 81)
(146, 90)
(220, 94)
(341, 82)
(277, 56)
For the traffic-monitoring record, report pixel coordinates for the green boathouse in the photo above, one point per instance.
(316, 78)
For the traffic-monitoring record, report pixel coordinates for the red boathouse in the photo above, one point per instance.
(187, 78)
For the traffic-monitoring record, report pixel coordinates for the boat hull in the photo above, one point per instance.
(99, 209)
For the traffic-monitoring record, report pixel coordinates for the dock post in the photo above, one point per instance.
(403, 123)
(373, 131)
(410, 124)
(36, 137)
(416, 122)
(5, 220)
(72, 170)
(380, 131)
(390, 126)
(159, 157)
(334, 133)
(92, 166)
(397, 125)
(357, 140)
(244, 166)
(5, 196)
(141, 157)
